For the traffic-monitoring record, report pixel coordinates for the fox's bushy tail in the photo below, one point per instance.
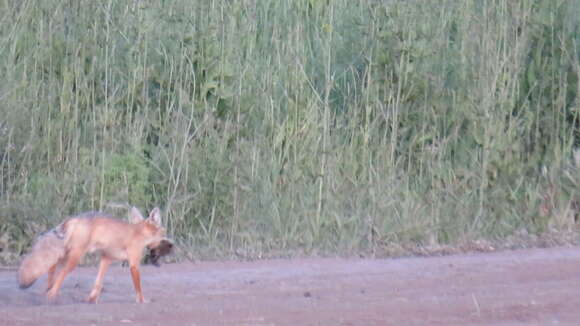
(46, 252)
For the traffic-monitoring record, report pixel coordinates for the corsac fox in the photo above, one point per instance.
(58, 251)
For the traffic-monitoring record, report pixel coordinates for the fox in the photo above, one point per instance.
(58, 251)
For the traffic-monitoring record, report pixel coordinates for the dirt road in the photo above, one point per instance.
(525, 287)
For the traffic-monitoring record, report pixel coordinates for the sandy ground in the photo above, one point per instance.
(525, 287)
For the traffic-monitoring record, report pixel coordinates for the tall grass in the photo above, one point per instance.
(273, 126)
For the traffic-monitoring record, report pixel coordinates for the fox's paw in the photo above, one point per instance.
(51, 295)
(142, 300)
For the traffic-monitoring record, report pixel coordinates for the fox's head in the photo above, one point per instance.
(151, 227)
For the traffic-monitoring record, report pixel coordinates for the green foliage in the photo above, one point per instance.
(126, 179)
(274, 126)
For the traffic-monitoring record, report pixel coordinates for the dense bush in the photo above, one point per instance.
(273, 126)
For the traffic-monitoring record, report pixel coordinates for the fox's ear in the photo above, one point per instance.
(135, 216)
(155, 216)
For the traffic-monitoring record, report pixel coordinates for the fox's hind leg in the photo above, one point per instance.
(70, 262)
(103, 266)
(51, 272)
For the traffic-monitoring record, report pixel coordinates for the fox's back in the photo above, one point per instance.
(96, 231)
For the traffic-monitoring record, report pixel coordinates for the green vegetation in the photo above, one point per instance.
(274, 126)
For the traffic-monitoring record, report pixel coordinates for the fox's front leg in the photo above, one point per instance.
(134, 266)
